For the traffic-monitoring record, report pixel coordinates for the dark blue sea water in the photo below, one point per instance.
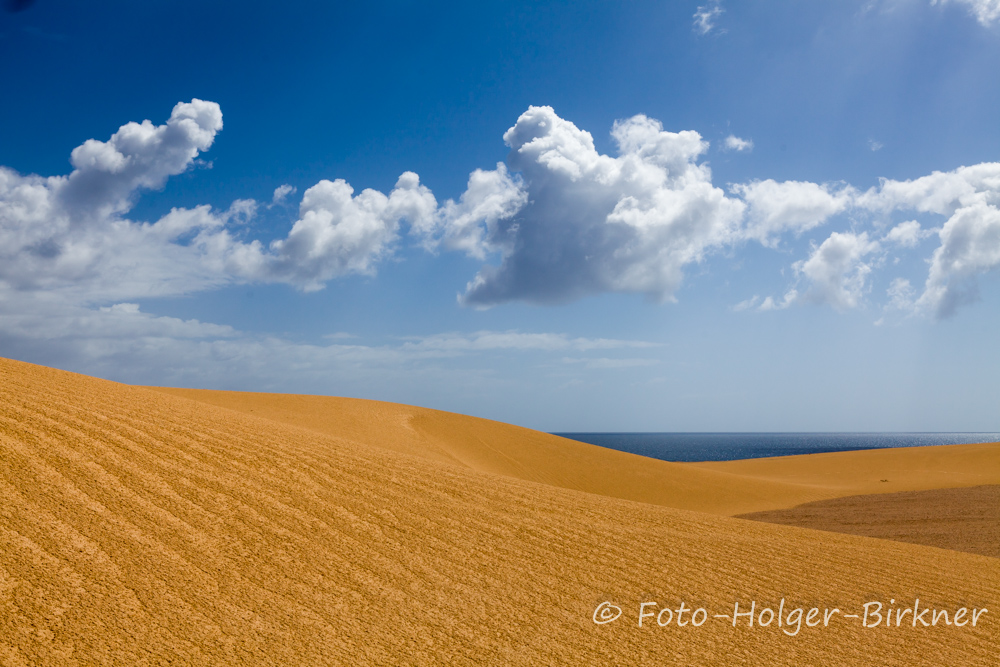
(730, 446)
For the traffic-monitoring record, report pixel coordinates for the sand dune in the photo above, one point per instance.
(838, 474)
(138, 527)
(966, 519)
(729, 488)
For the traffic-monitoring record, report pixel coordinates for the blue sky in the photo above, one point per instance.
(571, 216)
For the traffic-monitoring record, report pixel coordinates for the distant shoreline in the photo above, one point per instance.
(689, 447)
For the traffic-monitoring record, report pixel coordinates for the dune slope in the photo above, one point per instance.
(727, 488)
(140, 528)
(875, 470)
(965, 519)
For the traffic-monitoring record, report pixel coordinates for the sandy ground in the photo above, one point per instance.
(728, 488)
(966, 519)
(139, 527)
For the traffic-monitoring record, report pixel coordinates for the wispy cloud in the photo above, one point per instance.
(514, 340)
(124, 343)
(706, 17)
(607, 363)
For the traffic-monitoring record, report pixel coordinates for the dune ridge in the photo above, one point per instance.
(137, 527)
(728, 487)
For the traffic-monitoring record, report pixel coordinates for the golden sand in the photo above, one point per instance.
(966, 519)
(729, 487)
(141, 527)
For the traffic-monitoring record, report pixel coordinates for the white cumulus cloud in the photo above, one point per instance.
(557, 221)
(790, 206)
(907, 234)
(71, 235)
(471, 224)
(580, 222)
(836, 270)
(337, 233)
(734, 143)
(970, 245)
(107, 174)
(281, 193)
(67, 232)
(942, 193)
(969, 198)
(986, 12)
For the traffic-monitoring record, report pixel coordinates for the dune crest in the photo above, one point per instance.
(138, 528)
(728, 488)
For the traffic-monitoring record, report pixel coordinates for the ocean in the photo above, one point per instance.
(730, 446)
